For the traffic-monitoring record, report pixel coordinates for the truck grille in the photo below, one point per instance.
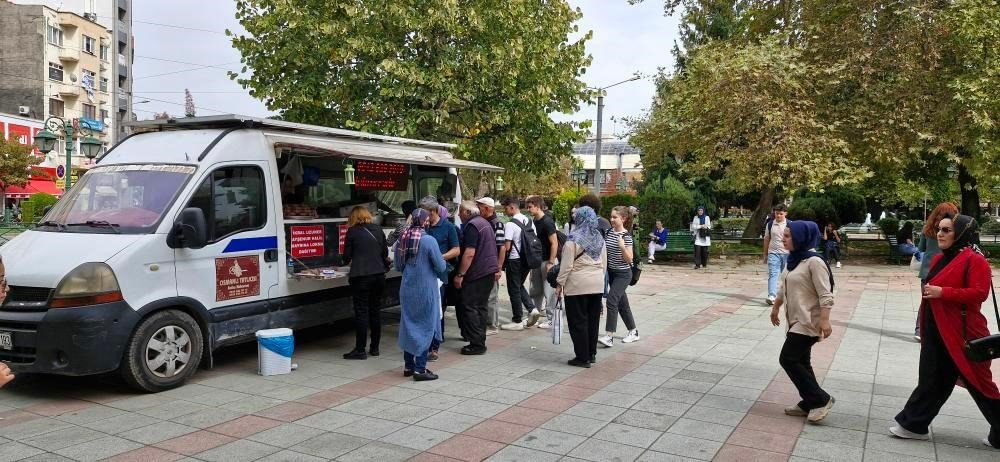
(29, 294)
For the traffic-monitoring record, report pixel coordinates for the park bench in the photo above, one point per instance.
(678, 242)
(895, 256)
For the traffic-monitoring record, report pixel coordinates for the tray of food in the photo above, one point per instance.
(320, 273)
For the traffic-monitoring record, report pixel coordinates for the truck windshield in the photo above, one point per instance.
(126, 199)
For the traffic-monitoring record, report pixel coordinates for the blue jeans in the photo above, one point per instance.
(775, 265)
(415, 363)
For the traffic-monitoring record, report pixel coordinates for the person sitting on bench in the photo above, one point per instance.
(657, 240)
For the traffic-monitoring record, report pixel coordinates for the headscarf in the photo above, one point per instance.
(966, 235)
(805, 238)
(586, 234)
(409, 240)
(701, 218)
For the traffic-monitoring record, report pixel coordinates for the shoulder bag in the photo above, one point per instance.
(985, 348)
(636, 265)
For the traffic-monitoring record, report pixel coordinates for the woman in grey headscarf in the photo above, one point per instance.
(581, 279)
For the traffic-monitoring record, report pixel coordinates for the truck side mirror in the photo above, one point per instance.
(190, 230)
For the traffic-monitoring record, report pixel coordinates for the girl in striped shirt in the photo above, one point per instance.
(620, 255)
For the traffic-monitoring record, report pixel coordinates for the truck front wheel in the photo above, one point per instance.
(164, 351)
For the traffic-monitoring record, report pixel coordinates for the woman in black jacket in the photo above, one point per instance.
(367, 253)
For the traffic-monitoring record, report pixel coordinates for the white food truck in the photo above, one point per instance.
(194, 233)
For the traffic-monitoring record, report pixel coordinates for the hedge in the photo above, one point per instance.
(818, 209)
(33, 208)
(612, 201)
(667, 200)
(563, 205)
(732, 223)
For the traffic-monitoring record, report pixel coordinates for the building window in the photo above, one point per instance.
(89, 45)
(89, 111)
(104, 115)
(55, 72)
(105, 53)
(55, 36)
(104, 84)
(57, 108)
(233, 201)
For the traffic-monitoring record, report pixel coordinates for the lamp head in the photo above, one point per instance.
(46, 141)
(90, 147)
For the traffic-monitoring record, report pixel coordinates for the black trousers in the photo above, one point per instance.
(367, 292)
(935, 382)
(796, 360)
(475, 301)
(519, 298)
(701, 255)
(618, 280)
(583, 316)
(832, 251)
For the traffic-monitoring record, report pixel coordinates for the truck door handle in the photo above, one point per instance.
(271, 255)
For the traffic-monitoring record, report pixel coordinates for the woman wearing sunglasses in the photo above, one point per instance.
(959, 281)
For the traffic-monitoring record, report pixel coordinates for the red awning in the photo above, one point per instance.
(34, 187)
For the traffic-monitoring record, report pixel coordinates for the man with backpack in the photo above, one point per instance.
(521, 252)
(543, 295)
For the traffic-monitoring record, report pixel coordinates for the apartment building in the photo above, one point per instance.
(114, 50)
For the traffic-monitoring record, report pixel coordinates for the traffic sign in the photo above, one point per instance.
(61, 183)
(60, 171)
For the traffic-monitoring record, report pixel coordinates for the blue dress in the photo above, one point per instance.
(420, 298)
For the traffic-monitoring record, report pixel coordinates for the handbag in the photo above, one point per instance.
(636, 271)
(704, 232)
(556, 318)
(553, 274)
(984, 348)
(914, 264)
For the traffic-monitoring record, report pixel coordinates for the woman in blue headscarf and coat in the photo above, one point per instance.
(701, 229)
(424, 269)
(805, 289)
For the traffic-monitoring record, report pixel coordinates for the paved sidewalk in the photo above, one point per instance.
(702, 384)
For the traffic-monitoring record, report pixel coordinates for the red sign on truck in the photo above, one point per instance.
(308, 241)
(237, 277)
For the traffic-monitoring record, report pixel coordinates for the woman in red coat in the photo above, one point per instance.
(959, 276)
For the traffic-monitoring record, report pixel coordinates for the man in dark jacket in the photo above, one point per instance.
(477, 275)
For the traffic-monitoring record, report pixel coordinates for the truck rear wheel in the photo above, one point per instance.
(164, 351)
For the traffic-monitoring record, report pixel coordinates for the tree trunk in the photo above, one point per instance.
(756, 226)
(970, 192)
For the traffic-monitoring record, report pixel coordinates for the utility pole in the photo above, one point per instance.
(600, 134)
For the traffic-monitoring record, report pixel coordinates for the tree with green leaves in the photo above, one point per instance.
(16, 160)
(484, 74)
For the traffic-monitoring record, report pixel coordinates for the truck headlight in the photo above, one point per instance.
(87, 284)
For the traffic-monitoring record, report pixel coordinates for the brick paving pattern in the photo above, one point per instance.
(702, 384)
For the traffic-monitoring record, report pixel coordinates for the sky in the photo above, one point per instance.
(194, 53)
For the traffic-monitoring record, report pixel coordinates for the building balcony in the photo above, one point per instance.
(123, 28)
(123, 37)
(68, 20)
(123, 5)
(122, 71)
(69, 55)
(69, 91)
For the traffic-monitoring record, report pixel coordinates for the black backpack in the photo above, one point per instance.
(561, 239)
(530, 248)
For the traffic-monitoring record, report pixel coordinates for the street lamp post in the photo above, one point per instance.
(578, 174)
(46, 142)
(600, 117)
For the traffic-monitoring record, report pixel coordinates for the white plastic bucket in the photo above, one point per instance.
(274, 351)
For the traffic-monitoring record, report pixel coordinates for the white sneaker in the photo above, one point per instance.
(512, 326)
(533, 317)
(650, 261)
(901, 432)
(838, 264)
(820, 413)
(492, 331)
(632, 336)
(544, 325)
(606, 340)
(770, 300)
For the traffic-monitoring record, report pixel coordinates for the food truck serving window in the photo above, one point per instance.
(381, 176)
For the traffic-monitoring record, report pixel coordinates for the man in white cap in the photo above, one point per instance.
(487, 209)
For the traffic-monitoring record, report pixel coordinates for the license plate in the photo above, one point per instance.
(6, 341)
